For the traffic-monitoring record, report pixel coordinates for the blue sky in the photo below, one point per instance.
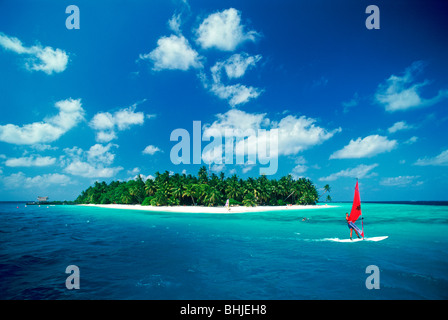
(100, 102)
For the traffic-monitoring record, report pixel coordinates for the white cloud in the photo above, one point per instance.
(151, 150)
(439, 160)
(91, 163)
(398, 126)
(127, 117)
(298, 134)
(174, 23)
(106, 124)
(365, 148)
(102, 121)
(144, 177)
(173, 53)
(402, 93)
(39, 58)
(235, 94)
(236, 120)
(43, 147)
(31, 161)
(401, 181)
(247, 168)
(299, 169)
(105, 136)
(134, 171)
(224, 31)
(214, 155)
(51, 60)
(294, 134)
(411, 140)
(87, 170)
(217, 167)
(234, 67)
(360, 172)
(48, 130)
(20, 180)
(101, 154)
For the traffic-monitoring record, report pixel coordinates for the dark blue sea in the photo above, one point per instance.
(125, 254)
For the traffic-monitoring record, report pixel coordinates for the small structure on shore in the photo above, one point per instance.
(42, 199)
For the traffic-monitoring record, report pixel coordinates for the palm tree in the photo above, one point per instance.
(202, 193)
(162, 196)
(190, 191)
(204, 189)
(249, 200)
(202, 174)
(126, 198)
(176, 191)
(233, 190)
(326, 188)
(213, 196)
(150, 187)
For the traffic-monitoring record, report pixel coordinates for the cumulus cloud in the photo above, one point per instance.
(87, 170)
(48, 130)
(173, 53)
(233, 67)
(99, 153)
(398, 126)
(151, 150)
(93, 163)
(20, 180)
(224, 31)
(300, 168)
(38, 58)
(362, 171)
(31, 161)
(439, 160)
(298, 134)
(251, 129)
(235, 94)
(403, 93)
(401, 181)
(107, 124)
(365, 148)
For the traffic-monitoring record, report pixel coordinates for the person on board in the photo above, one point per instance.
(350, 226)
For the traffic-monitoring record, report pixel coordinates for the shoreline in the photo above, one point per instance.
(201, 209)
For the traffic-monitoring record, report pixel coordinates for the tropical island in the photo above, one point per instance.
(205, 189)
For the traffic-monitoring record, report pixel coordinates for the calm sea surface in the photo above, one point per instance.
(125, 254)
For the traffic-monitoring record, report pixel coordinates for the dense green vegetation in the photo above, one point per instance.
(205, 189)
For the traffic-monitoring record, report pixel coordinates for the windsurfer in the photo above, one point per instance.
(351, 226)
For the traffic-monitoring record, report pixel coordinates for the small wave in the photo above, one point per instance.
(155, 281)
(374, 239)
(76, 238)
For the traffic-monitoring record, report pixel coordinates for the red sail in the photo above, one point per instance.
(356, 207)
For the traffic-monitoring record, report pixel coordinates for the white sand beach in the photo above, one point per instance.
(202, 209)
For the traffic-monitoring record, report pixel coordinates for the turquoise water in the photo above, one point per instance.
(124, 254)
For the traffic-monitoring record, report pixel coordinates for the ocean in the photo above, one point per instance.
(125, 254)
